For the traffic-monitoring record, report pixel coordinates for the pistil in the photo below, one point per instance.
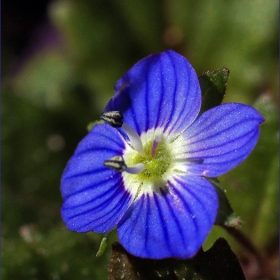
(155, 144)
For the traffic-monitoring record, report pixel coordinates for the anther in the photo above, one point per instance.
(116, 163)
(113, 118)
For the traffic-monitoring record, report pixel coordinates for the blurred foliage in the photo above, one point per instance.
(54, 90)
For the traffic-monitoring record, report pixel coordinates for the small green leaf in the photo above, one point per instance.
(226, 215)
(103, 244)
(102, 247)
(92, 124)
(213, 88)
(219, 262)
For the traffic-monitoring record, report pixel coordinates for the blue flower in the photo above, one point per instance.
(144, 171)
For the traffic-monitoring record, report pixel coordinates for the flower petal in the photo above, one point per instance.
(94, 195)
(172, 224)
(161, 90)
(220, 139)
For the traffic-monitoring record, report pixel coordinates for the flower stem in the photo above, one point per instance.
(247, 244)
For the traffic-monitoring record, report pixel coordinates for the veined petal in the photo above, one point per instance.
(172, 224)
(161, 90)
(219, 139)
(94, 195)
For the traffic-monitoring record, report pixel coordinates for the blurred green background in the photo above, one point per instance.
(60, 61)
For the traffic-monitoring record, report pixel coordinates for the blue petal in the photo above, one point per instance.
(94, 195)
(220, 139)
(172, 224)
(161, 90)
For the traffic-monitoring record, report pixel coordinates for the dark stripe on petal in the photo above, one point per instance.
(203, 148)
(187, 207)
(160, 90)
(162, 222)
(192, 193)
(175, 220)
(90, 190)
(95, 198)
(218, 163)
(173, 223)
(99, 221)
(208, 136)
(230, 138)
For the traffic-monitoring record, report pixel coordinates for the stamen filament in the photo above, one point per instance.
(136, 169)
(134, 138)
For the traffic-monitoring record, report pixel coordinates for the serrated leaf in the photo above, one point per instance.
(213, 88)
(219, 262)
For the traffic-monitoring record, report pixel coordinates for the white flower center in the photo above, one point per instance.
(153, 160)
(156, 160)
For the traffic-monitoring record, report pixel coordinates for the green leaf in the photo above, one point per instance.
(93, 124)
(213, 88)
(219, 262)
(226, 215)
(102, 246)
